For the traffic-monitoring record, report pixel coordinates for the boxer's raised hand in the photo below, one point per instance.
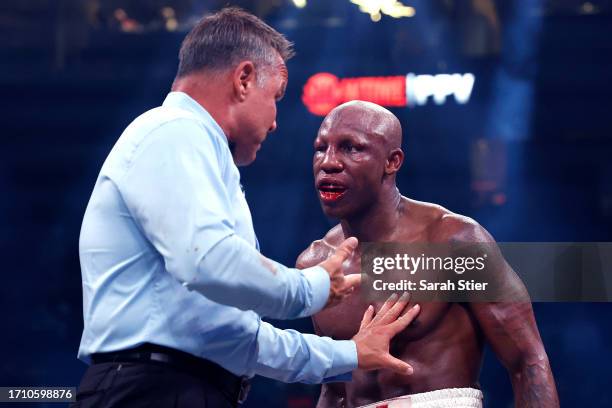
(340, 285)
(376, 332)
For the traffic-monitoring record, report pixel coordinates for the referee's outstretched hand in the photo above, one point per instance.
(340, 285)
(376, 331)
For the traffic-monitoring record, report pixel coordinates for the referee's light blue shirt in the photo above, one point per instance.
(168, 256)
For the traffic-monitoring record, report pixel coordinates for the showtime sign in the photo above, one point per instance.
(324, 91)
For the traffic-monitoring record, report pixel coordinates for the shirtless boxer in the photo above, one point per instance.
(357, 155)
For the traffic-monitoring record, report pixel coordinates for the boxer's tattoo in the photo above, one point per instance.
(511, 330)
(536, 389)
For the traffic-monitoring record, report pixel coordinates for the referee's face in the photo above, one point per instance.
(257, 114)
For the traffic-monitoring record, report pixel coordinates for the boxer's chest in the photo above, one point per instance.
(343, 320)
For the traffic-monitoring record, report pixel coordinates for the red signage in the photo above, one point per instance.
(324, 91)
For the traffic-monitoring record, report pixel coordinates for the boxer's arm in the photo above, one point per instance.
(510, 328)
(332, 395)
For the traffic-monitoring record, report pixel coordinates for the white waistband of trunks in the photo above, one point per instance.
(446, 398)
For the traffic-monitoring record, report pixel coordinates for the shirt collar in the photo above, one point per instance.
(184, 101)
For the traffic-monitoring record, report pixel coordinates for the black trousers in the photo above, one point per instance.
(146, 384)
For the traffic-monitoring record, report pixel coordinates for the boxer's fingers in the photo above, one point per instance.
(403, 321)
(397, 365)
(367, 317)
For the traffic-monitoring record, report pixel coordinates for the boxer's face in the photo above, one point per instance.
(348, 165)
(256, 116)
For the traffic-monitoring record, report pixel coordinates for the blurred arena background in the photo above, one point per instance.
(526, 150)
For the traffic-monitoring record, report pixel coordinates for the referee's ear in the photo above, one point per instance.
(244, 79)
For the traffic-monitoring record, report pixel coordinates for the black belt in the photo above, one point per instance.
(235, 388)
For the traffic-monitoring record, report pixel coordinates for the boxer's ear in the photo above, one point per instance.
(394, 161)
(243, 79)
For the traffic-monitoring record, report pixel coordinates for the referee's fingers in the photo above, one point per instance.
(393, 313)
(367, 317)
(385, 307)
(397, 365)
(344, 250)
(403, 321)
(352, 281)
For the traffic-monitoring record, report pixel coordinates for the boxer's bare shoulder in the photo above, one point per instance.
(453, 227)
(465, 236)
(319, 250)
(439, 224)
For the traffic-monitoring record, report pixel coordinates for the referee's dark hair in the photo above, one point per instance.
(223, 39)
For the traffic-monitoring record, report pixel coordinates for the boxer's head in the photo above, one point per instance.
(357, 154)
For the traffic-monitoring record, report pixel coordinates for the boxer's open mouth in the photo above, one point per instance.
(331, 192)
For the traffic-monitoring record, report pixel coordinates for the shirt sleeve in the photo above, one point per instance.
(248, 280)
(173, 188)
(290, 356)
